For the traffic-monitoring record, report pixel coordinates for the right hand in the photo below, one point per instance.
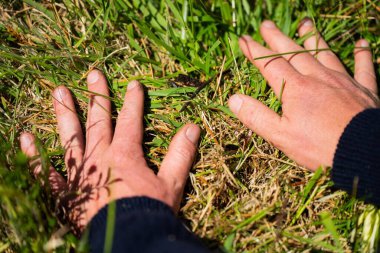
(110, 164)
(319, 97)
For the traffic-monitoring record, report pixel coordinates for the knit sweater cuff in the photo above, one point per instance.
(356, 165)
(140, 224)
(142, 205)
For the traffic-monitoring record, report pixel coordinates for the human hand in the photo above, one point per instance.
(110, 166)
(319, 98)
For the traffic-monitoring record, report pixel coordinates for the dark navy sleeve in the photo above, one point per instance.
(142, 225)
(356, 165)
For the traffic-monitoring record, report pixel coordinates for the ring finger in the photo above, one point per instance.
(291, 51)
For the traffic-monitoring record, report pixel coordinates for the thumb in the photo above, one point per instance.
(257, 117)
(28, 146)
(177, 163)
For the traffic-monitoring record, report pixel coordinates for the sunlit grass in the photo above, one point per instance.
(243, 194)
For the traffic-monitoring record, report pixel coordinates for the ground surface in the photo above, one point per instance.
(243, 194)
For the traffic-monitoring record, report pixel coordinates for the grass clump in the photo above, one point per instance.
(243, 193)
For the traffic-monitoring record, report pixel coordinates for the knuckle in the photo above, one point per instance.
(100, 123)
(253, 120)
(276, 140)
(129, 153)
(299, 79)
(296, 81)
(127, 118)
(331, 77)
(62, 109)
(363, 72)
(327, 53)
(183, 153)
(118, 159)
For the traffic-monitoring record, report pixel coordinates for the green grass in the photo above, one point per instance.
(243, 194)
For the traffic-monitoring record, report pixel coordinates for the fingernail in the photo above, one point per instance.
(93, 77)
(192, 133)
(132, 85)
(307, 22)
(26, 140)
(268, 24)
(235, 103)
(364, 43)
(246, 37)
(61, 94)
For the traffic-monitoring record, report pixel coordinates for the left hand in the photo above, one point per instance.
(110, 165)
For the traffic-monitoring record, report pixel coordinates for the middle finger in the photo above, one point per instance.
(99, 124)
(279, 42)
